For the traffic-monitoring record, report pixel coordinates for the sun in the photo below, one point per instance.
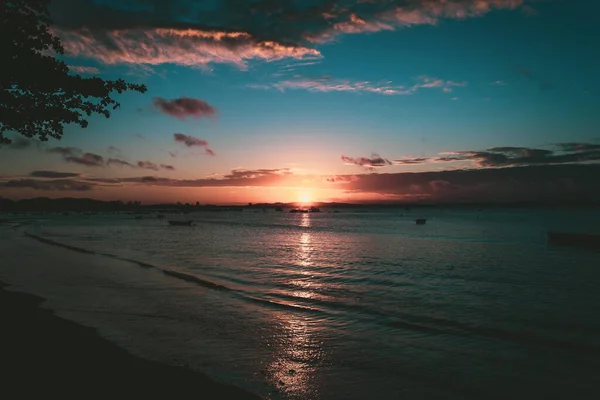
(304, 197)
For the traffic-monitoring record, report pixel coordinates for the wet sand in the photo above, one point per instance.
(44, 355)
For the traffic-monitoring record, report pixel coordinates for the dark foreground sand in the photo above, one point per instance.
(44, 355)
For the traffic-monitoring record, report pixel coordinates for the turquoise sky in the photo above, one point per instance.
(305, 83)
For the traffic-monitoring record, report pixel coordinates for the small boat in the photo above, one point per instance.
(574, 239)
(314, 209)
(420, 221)
(279, 209)
(180, 223)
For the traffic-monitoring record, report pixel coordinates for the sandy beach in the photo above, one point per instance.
(44, 354)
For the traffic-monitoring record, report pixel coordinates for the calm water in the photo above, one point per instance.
(354, 304)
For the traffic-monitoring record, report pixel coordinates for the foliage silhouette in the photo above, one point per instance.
(39, 94)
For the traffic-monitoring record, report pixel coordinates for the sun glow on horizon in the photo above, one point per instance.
(305, 197)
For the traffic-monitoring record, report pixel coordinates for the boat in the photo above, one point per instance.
(314, 209)
(574, 239)
(279, 209)
(180, 223)
(160, 216)
(420, 221)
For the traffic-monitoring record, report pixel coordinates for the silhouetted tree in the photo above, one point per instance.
(38, 94)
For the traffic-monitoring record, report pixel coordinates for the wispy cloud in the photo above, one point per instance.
(120, 163)
(183, 46)
(236, 32)
(63, 185)
(328, 83)
(53, 174)
(509, 156)
(153, 166)
(80, 69)
(191, 141)
(77, 156)
(375, 161)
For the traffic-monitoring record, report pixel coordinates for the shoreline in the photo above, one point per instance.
(44, 354)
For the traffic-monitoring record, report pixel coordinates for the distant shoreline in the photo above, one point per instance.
(57, 205)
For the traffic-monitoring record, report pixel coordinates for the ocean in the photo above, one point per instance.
(358, 304)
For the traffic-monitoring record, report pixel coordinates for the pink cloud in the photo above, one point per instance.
(411, 13)
(188, 47)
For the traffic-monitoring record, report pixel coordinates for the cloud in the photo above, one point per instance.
(77, 156)
(542, 84)
(120, 163)
(79, 69)
(526, 183)
(327, 83)
(185, 107)
(191, 141)
(330, 84)
(21, 143)
(546, 183)
(113, 149)
(53, 185)
(507, 156)
(374, 161)
(411, 161)
(167, 167)
(53, 174)
(139, 136)
(193, 33)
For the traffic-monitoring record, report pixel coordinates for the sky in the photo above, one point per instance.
(350, 100)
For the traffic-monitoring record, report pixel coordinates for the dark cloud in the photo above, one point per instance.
(578, 147)
(185, 107)
(544, 85)
(524, 183)
(53, 185)
(373, 162)
(153, 166)
(77, 156)
(120, 163)
(147, 165)
(191, 141)
(410, 161)
(53, 174)
(113, 149)
(21, 143)
(562, 153)
(193, 32)
(544, 183)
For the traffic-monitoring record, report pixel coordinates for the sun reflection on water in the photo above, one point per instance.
(298, 351)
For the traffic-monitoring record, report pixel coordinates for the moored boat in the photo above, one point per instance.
(574, 239)
(180, 223)
(420, 221)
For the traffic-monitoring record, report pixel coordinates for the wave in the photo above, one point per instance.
(182, 276)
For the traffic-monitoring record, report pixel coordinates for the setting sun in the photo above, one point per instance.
(305, 197)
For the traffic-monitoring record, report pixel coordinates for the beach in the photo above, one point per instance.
(474, 304)
(46, 355)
